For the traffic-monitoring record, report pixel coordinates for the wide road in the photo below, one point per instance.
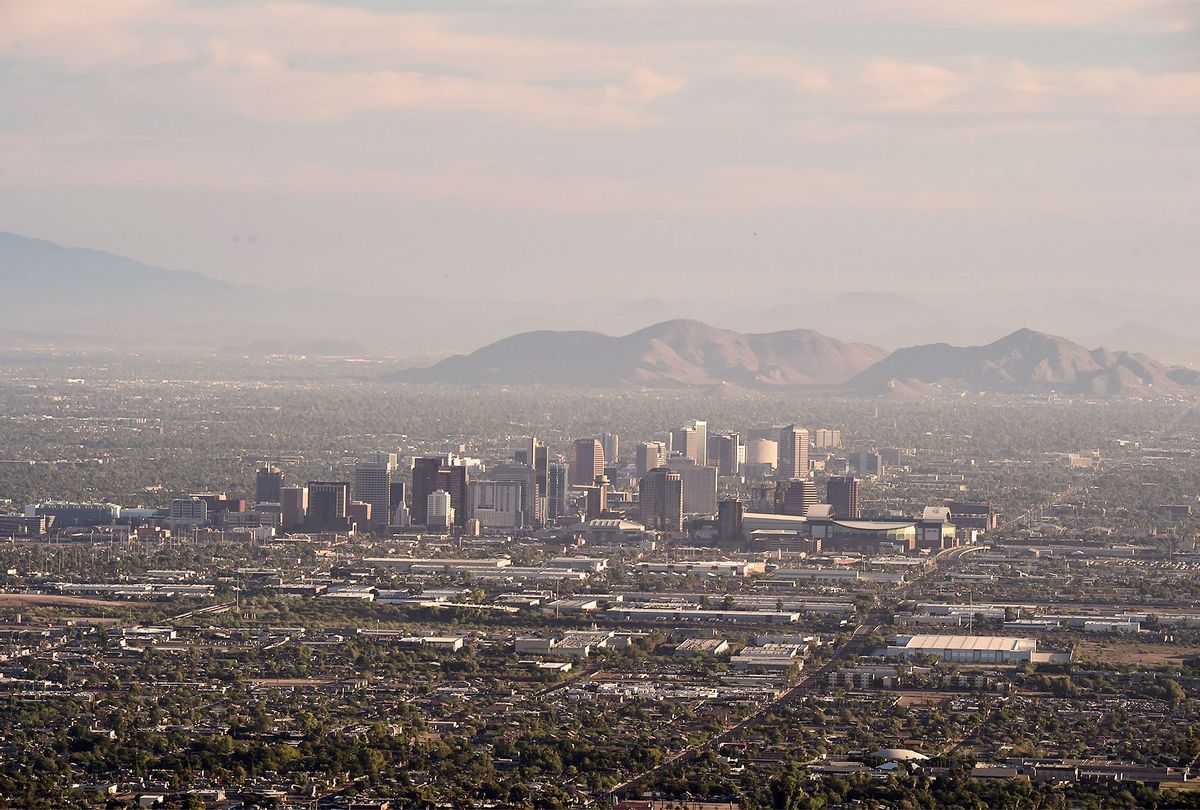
(855, 645)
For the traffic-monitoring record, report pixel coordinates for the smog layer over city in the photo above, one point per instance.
(633, 404)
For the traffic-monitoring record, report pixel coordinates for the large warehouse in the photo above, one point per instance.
(966, 649)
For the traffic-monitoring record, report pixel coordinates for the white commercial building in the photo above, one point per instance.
(966, 649)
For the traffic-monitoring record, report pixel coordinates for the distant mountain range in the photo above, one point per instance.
(684, 353)
(672, 353)
(1025, 361)
(36, 267)
(63, 297)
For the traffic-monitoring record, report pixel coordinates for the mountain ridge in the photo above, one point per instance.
(90, 298)
(1023, 361)
(679, 352)
(27, 263)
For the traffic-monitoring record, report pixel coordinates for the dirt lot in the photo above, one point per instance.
(921, 698)
(1146, 654)
(26, 599)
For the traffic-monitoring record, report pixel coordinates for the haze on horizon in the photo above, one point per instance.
(549, 150)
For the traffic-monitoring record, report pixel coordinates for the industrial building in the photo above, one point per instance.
(966, 649)
(670, 614)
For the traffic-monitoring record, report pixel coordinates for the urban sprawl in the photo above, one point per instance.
(711, 615)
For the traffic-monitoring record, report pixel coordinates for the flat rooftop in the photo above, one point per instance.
(939, 642)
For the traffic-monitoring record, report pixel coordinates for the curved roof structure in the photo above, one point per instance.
(899, 755)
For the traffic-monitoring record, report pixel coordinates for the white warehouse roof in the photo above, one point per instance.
(939, 642)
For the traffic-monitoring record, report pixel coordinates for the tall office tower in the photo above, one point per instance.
(294, 502)
(699, 485)
(701, 427)
(373, 485)
(842, 494)
(536, 455)
(649, 456)
(824, 438)
(730, 513)
(793, 453)
(432, 474)
(691, 441)
(685, 442)
(799, 496)
(525, 477)
(268, 484)
(556, 492)
(539, 459)
(327, 505)
(425, 480)
(723, 453)
(541, 463)
(457, 478)
(662, 492)
(597, 497)
(611, 443)
(587, 462)
(439, 510)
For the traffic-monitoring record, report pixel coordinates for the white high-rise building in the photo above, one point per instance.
(439, 513)
(701, 427)
(793, 453)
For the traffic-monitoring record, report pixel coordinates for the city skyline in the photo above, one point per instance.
(621, 404)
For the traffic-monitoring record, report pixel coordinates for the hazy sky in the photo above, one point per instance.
(615, 147)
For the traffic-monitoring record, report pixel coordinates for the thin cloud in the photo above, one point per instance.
(272, 91)
(981, 88)
(1148, 15)
(307, 62)
(732, 190)
(1154, 16)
